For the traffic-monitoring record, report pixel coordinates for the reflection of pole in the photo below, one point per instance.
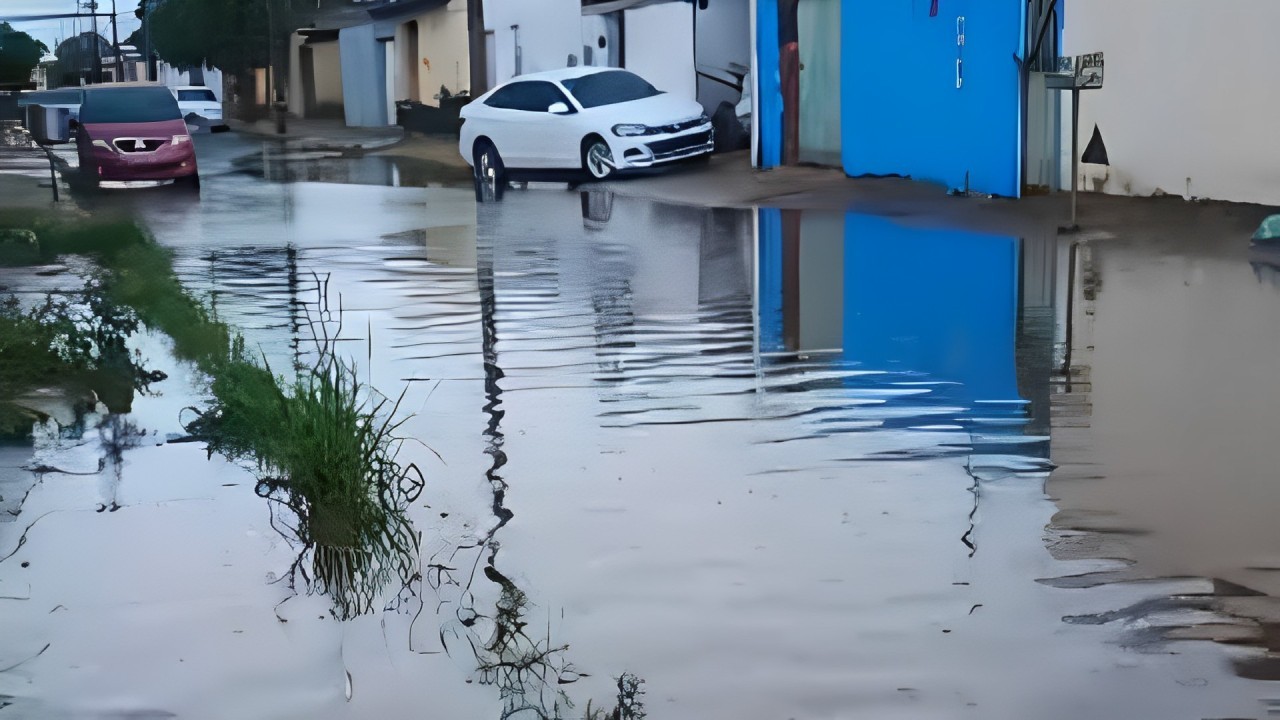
(1075, 151)
(492, 391)
(1071, 302)
(273, 87)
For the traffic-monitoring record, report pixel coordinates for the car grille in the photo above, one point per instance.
(137, 145)
(678, 127)
(680, 144)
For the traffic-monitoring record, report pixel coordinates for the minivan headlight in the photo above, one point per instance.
(628, 130)
(104, 145)
(179, 139)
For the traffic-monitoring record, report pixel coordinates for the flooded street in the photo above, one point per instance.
(767, 463)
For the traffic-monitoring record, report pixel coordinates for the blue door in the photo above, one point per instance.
(935, 96)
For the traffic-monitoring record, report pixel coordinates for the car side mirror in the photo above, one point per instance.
(558, 108)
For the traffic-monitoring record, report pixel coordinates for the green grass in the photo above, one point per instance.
(323, 445)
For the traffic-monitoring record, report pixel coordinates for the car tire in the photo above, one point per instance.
(488, 172)
(597, 158)
(190, 183)
(88, 177)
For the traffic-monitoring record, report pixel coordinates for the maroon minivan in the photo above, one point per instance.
(134, 132)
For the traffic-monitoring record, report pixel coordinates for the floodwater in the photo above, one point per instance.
(776, 464)
(1173, 461)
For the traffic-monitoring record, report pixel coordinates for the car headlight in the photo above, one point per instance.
(180, 139)
(104, 145)
(626, 130)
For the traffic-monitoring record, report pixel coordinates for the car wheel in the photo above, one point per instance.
(88, 177)
(597, 159)
(190, 182)
(490, 173)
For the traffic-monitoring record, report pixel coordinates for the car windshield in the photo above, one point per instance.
(607, 88)
(129, 105)
(196, 96)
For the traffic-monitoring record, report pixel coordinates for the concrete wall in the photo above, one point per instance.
(658, 46)
(173, 77)
(446, 44)
(443, 55)
(1189, 104)
(903, 113)
(363, 77)
(550, 31)
(722, 35)
(327, 59)
(1044, 133)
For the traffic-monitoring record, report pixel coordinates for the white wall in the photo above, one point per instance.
(723, 36)
(1189, 93)
(443, 56)
(550, 31)
(173, 77)
(659, 47)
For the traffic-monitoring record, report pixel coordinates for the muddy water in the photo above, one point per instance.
(1167, 441)
(777, 465)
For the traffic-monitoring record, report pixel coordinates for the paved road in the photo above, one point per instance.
(776, 464)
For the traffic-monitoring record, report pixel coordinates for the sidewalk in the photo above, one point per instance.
(306, 134)
(729, 181)
(25, 180)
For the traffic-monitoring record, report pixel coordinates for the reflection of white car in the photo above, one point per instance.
(198, 100)
(580, 118)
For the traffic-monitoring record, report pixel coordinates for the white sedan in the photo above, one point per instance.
(597, 120)
(198, 100)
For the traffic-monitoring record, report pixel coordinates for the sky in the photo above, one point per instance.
(50, 32)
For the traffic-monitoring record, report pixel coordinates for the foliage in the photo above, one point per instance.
(19, 53)
(324, 448)
(229, 34)
(323, 443)
(136, 273)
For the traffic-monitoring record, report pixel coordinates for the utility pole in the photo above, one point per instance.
(146, 33)
(115, 44)
(92, 7)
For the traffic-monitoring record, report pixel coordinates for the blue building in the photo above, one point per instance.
(933, 90)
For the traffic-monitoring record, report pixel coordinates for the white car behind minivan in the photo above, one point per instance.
(200, 101)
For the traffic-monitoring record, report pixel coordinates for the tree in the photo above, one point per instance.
(19, 53)
(233, 35)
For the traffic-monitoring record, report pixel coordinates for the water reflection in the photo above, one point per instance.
(693, 445)
(918, 327)
(279, 164)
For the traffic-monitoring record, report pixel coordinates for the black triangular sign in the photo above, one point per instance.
(1096, 151)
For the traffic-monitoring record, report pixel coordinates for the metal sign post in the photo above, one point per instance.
(1083, 72)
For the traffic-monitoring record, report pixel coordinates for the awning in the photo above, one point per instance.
(609, 6)
(405, 8)
(318, 36)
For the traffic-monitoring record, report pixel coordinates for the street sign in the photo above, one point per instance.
(1082, 72)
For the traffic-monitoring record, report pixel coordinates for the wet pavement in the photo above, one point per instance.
(777, 464)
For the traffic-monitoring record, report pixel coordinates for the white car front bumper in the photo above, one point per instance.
(644, 151)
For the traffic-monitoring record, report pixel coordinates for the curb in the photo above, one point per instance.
(299, 142)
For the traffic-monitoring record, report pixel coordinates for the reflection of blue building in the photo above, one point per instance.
(934, 311)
